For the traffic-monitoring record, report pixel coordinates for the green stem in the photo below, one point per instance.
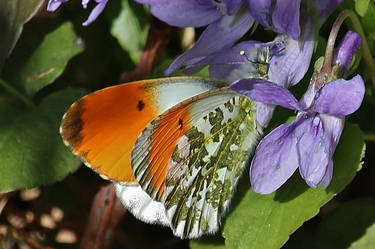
(16, 93)
(328, 56)
(332, 37)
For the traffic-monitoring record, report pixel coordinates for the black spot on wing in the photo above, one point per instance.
(140, 105)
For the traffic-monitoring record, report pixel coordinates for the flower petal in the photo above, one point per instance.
(317, 139)
(232, 6)
(95, 12)
(248, 59)
(285, 17)
(185, 13)
(261, 11)
(346, 50)
(53, 5)
(313, 149)
(264, 113)
(220, 34)
(281, 16)
(85, 3)
(266, 92)
(333, 128)
(340, 97)
(289, 67)
(228, 63)
(328, 175)
(326, 7)
(275, 159)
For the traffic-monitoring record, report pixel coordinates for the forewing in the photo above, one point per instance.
(103, 127)
(191, 157)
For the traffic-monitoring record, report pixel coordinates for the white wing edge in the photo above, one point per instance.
(140, 204)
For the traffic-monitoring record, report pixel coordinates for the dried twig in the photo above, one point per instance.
(105, 216)
(157, 40)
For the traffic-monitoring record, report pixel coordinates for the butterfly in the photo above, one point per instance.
(174, 147)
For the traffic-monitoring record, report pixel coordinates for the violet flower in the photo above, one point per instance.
(309, 142)
(283, 61)
(284, 16)
(227, 21)
(286, 67)
(53, 5)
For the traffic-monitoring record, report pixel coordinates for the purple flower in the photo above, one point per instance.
(220, 34)
(284, 16)
(187, 13)
(283, 61)
(309, 142)
(55, 4)
(226, 20)
(346, 50)
(229, 20)
(285, 64)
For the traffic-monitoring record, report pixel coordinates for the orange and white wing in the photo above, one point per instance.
(102, 128)
(191, 157)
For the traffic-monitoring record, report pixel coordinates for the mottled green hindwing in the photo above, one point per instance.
(208, 161)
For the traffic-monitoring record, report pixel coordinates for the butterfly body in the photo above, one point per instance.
(183, 142)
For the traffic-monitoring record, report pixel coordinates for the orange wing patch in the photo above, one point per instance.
(151, 170)
(103, 127)
(164, 141)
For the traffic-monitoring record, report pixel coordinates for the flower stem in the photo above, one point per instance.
(16, 93)
(327, 64)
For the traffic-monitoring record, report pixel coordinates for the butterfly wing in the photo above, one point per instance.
(139, 203)
(191, 157)
(103, 127)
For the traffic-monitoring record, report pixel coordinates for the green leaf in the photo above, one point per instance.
(13, 14)
(208, 243)
(266, 221)
(31, 150)
(367, 241)
(31, 69)
(130, 28)
(348, 224)
(361, 6)
(366, 20)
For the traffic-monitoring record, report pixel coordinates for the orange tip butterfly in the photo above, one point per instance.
(174, 147)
